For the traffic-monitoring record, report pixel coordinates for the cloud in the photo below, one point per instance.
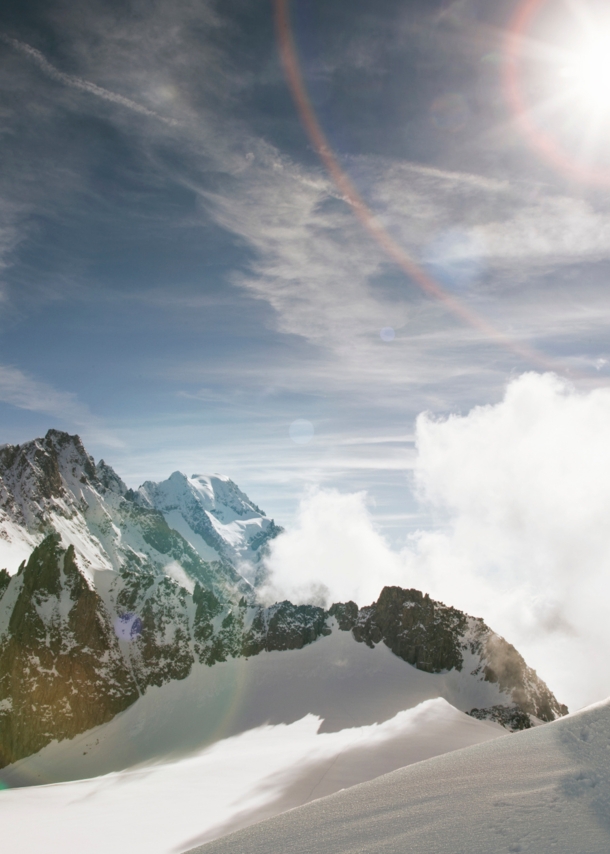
(520, 492)
(332, 553)
(23, 391)
(524, 490)
(78, 83)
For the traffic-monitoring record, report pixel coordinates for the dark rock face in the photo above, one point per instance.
(510, 717)
(4, 581)
(506, 667)
(434, 637)
(417, 629)
(285, 626)
(61, 669)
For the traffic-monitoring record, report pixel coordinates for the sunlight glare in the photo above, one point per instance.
(589, 72)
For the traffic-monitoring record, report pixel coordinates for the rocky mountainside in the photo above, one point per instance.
(113, 599)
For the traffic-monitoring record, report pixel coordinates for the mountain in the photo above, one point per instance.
(544, 790)
(214, 516)
(126, 590)
(52, 484)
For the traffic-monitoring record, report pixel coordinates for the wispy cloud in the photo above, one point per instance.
(78, 83)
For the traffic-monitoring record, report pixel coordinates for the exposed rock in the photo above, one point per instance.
(511, 717)
(4, 581)
(419, 630)
(61, 669)
(434, 637)
(285, 626)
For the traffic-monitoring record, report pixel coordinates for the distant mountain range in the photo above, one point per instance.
(106, 591)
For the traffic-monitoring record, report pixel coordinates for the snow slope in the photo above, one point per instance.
(344, 683)
(541, 790)
(172, 806)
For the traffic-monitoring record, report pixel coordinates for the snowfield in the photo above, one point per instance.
(539, 791)
(171, 807)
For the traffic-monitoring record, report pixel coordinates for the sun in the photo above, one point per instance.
(557, 81)
(587, 72)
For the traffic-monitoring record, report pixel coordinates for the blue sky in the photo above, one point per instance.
(181, 280)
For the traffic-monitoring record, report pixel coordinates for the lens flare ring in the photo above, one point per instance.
(427, 283)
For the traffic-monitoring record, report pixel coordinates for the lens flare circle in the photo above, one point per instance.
(128, 627)
(415, 272)
(301, 431)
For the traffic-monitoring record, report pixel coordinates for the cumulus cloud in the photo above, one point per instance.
(521, 495)
(333, 553)
(524, 488)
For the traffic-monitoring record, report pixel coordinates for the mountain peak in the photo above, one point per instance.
(212, 514)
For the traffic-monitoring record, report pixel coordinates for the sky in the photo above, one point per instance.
(186, 284)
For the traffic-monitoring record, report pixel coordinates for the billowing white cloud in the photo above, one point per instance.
(521, 494)
(524, 487)
(333, 553)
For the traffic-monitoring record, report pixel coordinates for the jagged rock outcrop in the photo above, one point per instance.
(434, 637)
(425, 633)
(510, 717)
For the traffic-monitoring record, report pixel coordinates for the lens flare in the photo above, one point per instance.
(128, 627)
(301, 431)
(415, 271)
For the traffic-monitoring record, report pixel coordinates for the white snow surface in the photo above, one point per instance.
(539, 791)
(16, 544)
(176, 520)
(172, 806)
(344, 683)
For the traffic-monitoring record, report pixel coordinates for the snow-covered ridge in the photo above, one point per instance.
(541, 791)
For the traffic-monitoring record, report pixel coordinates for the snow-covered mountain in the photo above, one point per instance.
(214, 516)
(121, 593)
